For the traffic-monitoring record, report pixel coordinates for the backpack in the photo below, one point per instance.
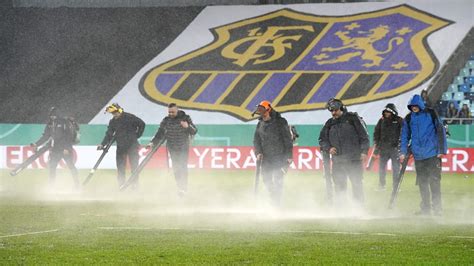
(360, 119)
(72, 128)
(353, 115)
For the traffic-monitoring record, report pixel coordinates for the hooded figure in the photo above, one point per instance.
(59, 133)
(423, 131)
(386, 140)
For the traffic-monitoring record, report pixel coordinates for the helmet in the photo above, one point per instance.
(335, 104)
(390, 108)
(115, 107)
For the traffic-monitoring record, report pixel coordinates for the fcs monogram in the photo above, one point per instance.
(273, 37)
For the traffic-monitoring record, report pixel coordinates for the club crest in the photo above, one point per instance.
(299, 61)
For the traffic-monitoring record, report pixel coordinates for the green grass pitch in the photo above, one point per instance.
(220, 221)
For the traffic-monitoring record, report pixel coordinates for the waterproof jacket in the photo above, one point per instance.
(272, 138)
(127, 128)
(387, 133)
(177, 137)
(60, 133)
(347, 134)
(425, 133)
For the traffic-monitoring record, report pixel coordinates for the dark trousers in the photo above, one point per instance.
(384, 157)
(55, 156)
(428, 178)
(130, 152)
(272, 175)
(179, 158)
(352, 170)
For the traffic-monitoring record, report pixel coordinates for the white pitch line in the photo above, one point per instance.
(335, 232)
(383, 234)
(314, 232)
(206, 229)
(123, 228)
(464, 237)
(158, 229)
(192, 229)
(223, 230)
(31, 233)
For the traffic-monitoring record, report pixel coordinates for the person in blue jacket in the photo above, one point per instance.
(423, 131)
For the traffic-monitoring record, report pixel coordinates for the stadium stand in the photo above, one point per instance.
(461, 93)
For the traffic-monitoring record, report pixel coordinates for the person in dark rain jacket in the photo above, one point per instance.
(60, 133)
(387, 140)
(274, 147)
(345, 138)
(126, 128)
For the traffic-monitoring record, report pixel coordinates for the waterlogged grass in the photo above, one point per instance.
(221, 222)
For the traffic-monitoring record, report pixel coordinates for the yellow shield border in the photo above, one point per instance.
(221, 34)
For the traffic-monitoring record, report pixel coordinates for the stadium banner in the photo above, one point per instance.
(459, 160)
(298, 57)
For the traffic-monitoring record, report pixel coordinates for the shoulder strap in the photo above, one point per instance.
(434, 115)
(408, 118)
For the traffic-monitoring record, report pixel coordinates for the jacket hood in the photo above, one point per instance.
(181, 113)
(390, 108)
(416, 100)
